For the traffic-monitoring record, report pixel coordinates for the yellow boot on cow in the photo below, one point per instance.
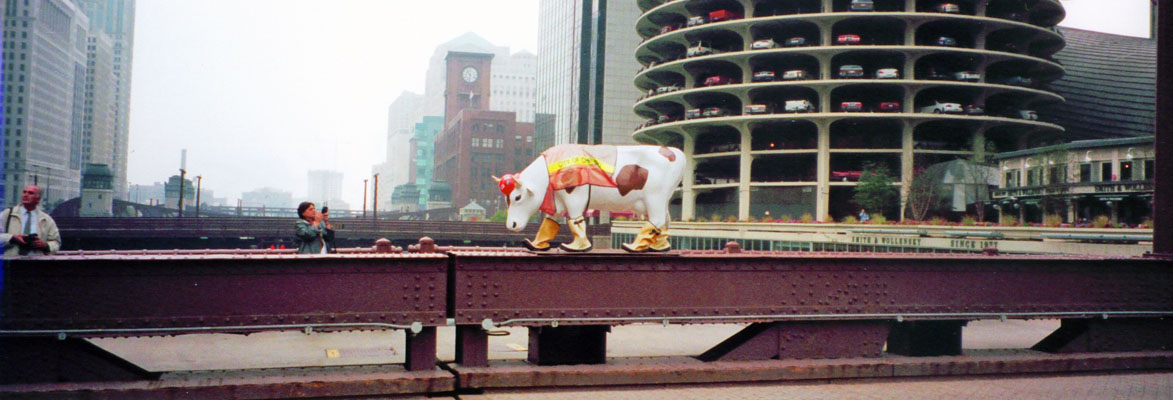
(660, 242)
(581, 242)
(644, 240)
(546, 233)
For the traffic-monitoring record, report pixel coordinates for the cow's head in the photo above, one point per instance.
(521, 199)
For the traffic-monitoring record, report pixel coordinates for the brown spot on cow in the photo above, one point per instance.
(631, 177)
(667, 153)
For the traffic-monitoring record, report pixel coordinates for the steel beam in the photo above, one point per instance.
(421, 350)
(472, 346)
(568, 345)
(104, 296)
(1099, 335)
(48, 359)
(798, 340)
(532, 290)
(926, 338)
(68, 297)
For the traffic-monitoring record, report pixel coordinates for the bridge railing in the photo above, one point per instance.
(841, 305)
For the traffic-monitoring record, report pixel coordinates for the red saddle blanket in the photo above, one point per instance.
(574, 165)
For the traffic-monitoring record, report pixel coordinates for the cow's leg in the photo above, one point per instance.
(546, 232)
(653, 235)
(576, 204)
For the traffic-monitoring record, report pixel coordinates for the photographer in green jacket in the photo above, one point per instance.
(311, 230)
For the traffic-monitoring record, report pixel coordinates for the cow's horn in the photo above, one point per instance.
(496, 179)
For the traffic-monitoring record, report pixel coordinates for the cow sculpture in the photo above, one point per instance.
(573, 178)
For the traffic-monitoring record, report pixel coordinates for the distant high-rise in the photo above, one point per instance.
(116, 19)
(44, 90)
(325, 188)
(586, 63)
(98, 128)
(513, 80)
(267, 197)
(402, 115)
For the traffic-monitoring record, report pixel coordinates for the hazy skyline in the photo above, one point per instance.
(261, 91)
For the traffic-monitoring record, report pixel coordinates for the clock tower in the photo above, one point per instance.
(466, 82)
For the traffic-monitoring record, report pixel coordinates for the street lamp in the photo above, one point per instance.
(182, 174)
(375, 200)
(199, 181)
(364, 198)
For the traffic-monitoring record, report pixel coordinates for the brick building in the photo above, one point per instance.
(476, 143)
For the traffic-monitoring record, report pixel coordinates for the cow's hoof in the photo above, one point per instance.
(564, 247)
(529, 245)
(655, 250)
(630, 249)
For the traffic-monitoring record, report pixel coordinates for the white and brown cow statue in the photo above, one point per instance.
(573, 178)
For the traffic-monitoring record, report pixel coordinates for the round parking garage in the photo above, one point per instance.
(782, 104)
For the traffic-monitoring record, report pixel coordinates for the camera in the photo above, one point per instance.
(28, 244)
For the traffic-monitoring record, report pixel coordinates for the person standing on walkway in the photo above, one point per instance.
(310, 235)
(29, 230)
(863, 215)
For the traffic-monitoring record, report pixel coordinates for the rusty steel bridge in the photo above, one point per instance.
(808, 315)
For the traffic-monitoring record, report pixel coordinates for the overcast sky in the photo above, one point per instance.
(260, 91)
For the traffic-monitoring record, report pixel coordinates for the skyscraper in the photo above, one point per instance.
(585, 72)
(44, 90)
(116, 19)
(98, 128)
(513, 80)
(325, 188)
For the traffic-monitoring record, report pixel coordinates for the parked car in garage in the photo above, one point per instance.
(724, 15)
(796, 41)
(667, 89)
(696, 21)
(699, 50)
(943, 108)
(887, 73)
(794, 75)
(692, 113)
(888, 106)
(846, 175)
(975, 109)
(848, 39)
(862, 5)
(664, 119)
(717, 80)
(936, 74)
(945, 41)
(799, 106)
(714, 112)
(668, 28)
(1029, 115)
(967, 76)
(1014, 81)
(754, 109)
(850, 71)
(948, 8)
(763, 76)
(851, 106)
(763, 44)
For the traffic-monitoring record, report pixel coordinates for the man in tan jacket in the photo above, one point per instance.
(29, 230)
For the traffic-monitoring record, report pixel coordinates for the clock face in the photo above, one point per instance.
(469, 74)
